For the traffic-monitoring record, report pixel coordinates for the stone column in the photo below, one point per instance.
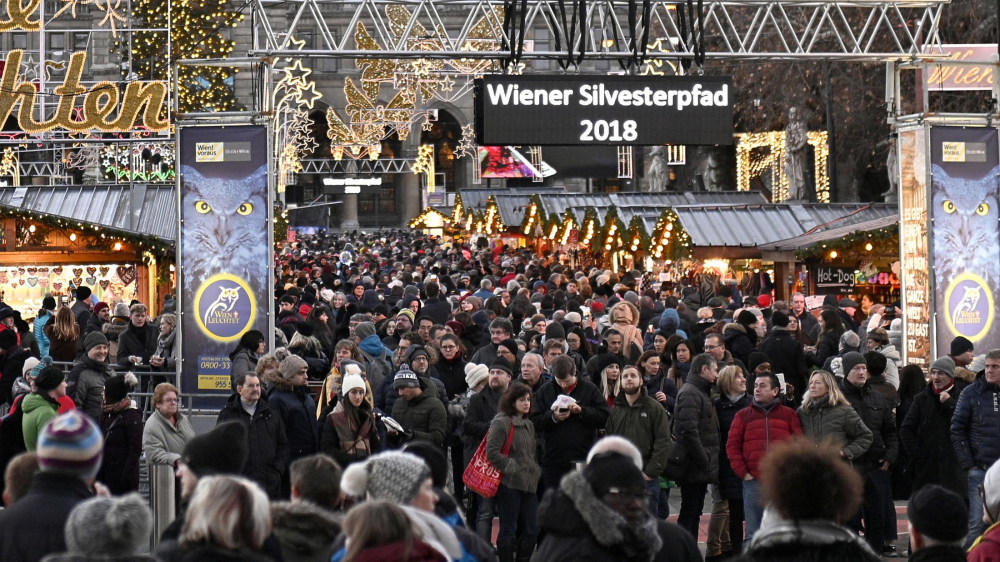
(349, 212)
(412, 200)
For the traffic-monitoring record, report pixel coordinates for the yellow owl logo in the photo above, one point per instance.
(223, 303)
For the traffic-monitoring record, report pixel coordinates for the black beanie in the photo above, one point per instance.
(503, 365)
(746, 318)
(938, 513)
(612, 470)
(49, 379)
(555, 331)
(220, 451)
(117, 387)
(756, 359)
(83, 293)
(511, 346)
(779, 319)
(960, 345)
(603, 360)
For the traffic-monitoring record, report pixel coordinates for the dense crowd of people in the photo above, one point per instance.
(414, 391)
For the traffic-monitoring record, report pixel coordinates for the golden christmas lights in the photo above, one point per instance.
(750, 164)
(99, 103)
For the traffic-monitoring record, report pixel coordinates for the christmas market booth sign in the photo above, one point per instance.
(101, 109)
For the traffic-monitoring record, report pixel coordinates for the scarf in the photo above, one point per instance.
(353, 437)
(117, 407)
(947, 389)
(165, 344)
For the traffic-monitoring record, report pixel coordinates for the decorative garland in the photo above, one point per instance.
(854, 246)
(636, 238)
(611, 235)
(590, 228)
(97, 237)
(670, 241)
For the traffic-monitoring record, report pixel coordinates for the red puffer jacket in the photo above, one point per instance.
(754, 429)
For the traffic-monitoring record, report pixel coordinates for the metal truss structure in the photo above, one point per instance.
(380, 166)
(853, 30)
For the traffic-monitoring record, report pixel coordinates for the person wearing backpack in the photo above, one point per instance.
(377, 365)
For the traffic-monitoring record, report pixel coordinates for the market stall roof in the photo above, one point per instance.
(750, 226)
(510, 207)
(478, 197)
(671, 199)
(810, 239)
(146, 210)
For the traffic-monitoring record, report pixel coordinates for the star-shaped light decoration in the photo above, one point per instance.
(295, 75)
(295, 44)
(467, 146)
(427, 125)
(308, 95)
(446, 84)
(422, 67)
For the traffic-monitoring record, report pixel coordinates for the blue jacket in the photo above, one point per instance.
(976, 424)
(39, 331)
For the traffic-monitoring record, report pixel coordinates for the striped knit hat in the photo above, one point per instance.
(71, 444)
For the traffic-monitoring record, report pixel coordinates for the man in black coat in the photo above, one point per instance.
(786, 355)
(138, 342)
(69, 457)
(694, 462)
(267, 442)
(925, 433)
(875, 465)
(435, 307)
(482, 409)
(569, 430)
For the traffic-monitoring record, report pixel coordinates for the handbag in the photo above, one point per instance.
(481, 476)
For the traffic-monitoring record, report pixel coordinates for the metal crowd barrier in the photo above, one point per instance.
(157, 482)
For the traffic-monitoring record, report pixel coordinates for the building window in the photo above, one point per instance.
(542, 44)
(20, 41)
(57, 42)
(80, 41)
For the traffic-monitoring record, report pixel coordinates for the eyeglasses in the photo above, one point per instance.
(627, 496)
(170, 401)
(449, 347)
(711, 347)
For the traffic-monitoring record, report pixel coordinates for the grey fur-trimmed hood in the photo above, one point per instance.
(305, 531)
(574, 509)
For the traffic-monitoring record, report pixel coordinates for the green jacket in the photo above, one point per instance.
(519, 469)
(646, 425)
(839, 423)
(38, 410)
(424, 415)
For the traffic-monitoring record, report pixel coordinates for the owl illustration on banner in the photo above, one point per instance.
(223, 219)
(966, 231)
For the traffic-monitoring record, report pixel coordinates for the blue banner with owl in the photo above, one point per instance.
(965, 164)
(224, 251)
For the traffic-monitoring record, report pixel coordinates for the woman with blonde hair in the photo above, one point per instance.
(826, 415)
(228, 518)
(63, 333)
(727, 499)
(609, 372)
(380, 530)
